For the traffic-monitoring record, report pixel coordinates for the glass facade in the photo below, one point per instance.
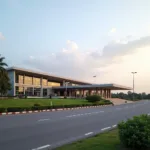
(53, 83)
(20, 79)
(44, 82)
(19, 90)
(36, 81)
(28, 80)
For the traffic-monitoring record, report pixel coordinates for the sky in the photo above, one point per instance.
(79, 39)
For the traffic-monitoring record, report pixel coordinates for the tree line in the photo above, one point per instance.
(4, 79)
(129, 96)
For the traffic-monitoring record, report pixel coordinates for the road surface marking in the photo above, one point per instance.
(69, 116)
(43, 119)
(105, 128)
(42, 147)
(126, 107)
(84, 114)
(118, 108)
(89, 133)
(114, 126)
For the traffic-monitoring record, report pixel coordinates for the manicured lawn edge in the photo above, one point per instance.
(105, 140)
(46, 108)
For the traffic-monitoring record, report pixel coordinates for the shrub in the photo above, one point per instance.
(135, 133)
(3, 110)
(36, 105)
(93, 98)
(17, 109)
(107, 102)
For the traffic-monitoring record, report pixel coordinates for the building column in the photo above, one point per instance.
(96, 91)
(58, 93)
(69, 93)
(110, 93)
(65, 93)
(41, 93)
(104, 93)
(33, 91)
(80, 93)
(24, 91)
(101, 92)
(89, 91)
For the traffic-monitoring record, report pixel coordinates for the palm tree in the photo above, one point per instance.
(4, 79)
(2, 64)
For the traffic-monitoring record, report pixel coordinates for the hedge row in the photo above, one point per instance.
(19, 109)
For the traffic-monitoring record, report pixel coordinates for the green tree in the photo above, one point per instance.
(2, 64)
(4, 79)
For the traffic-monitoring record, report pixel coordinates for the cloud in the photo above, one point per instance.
(108, 64)
(113, 30)
(72, 45)
(2, 36)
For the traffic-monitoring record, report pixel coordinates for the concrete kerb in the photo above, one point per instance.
(48, 110)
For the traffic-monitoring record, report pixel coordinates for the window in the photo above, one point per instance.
(20, 79)
(36, 81)
(44, 82)
(28, 80)
(53, 84)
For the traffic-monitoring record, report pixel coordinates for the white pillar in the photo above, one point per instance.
(24, 90)
(33, 91)
(41, 93)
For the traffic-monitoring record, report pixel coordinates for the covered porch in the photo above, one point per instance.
(83, 90)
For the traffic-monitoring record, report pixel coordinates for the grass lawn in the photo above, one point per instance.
(105, 141)
(43, 102)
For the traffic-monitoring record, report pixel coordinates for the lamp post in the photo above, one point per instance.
(94, 77)
(133, 83)
(94, 83)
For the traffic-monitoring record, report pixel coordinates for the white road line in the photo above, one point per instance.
(118, 108)
(88, 113)
(114, 126)
(69, 116)
(43, 119)
(89, 133)
(105, 128)
(84, 114)
(42, 147)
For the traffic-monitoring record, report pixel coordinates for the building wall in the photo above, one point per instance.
(11, 75)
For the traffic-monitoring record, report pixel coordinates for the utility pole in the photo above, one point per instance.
(133, 83)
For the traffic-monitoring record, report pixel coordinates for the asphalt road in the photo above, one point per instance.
(47, 130)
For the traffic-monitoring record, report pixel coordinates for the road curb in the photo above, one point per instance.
(48, 110)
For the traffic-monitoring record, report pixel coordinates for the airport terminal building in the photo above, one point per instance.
(38, 84)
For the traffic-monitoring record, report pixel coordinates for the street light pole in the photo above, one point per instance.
(94, 77)
(133, 83)
(94, 82)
